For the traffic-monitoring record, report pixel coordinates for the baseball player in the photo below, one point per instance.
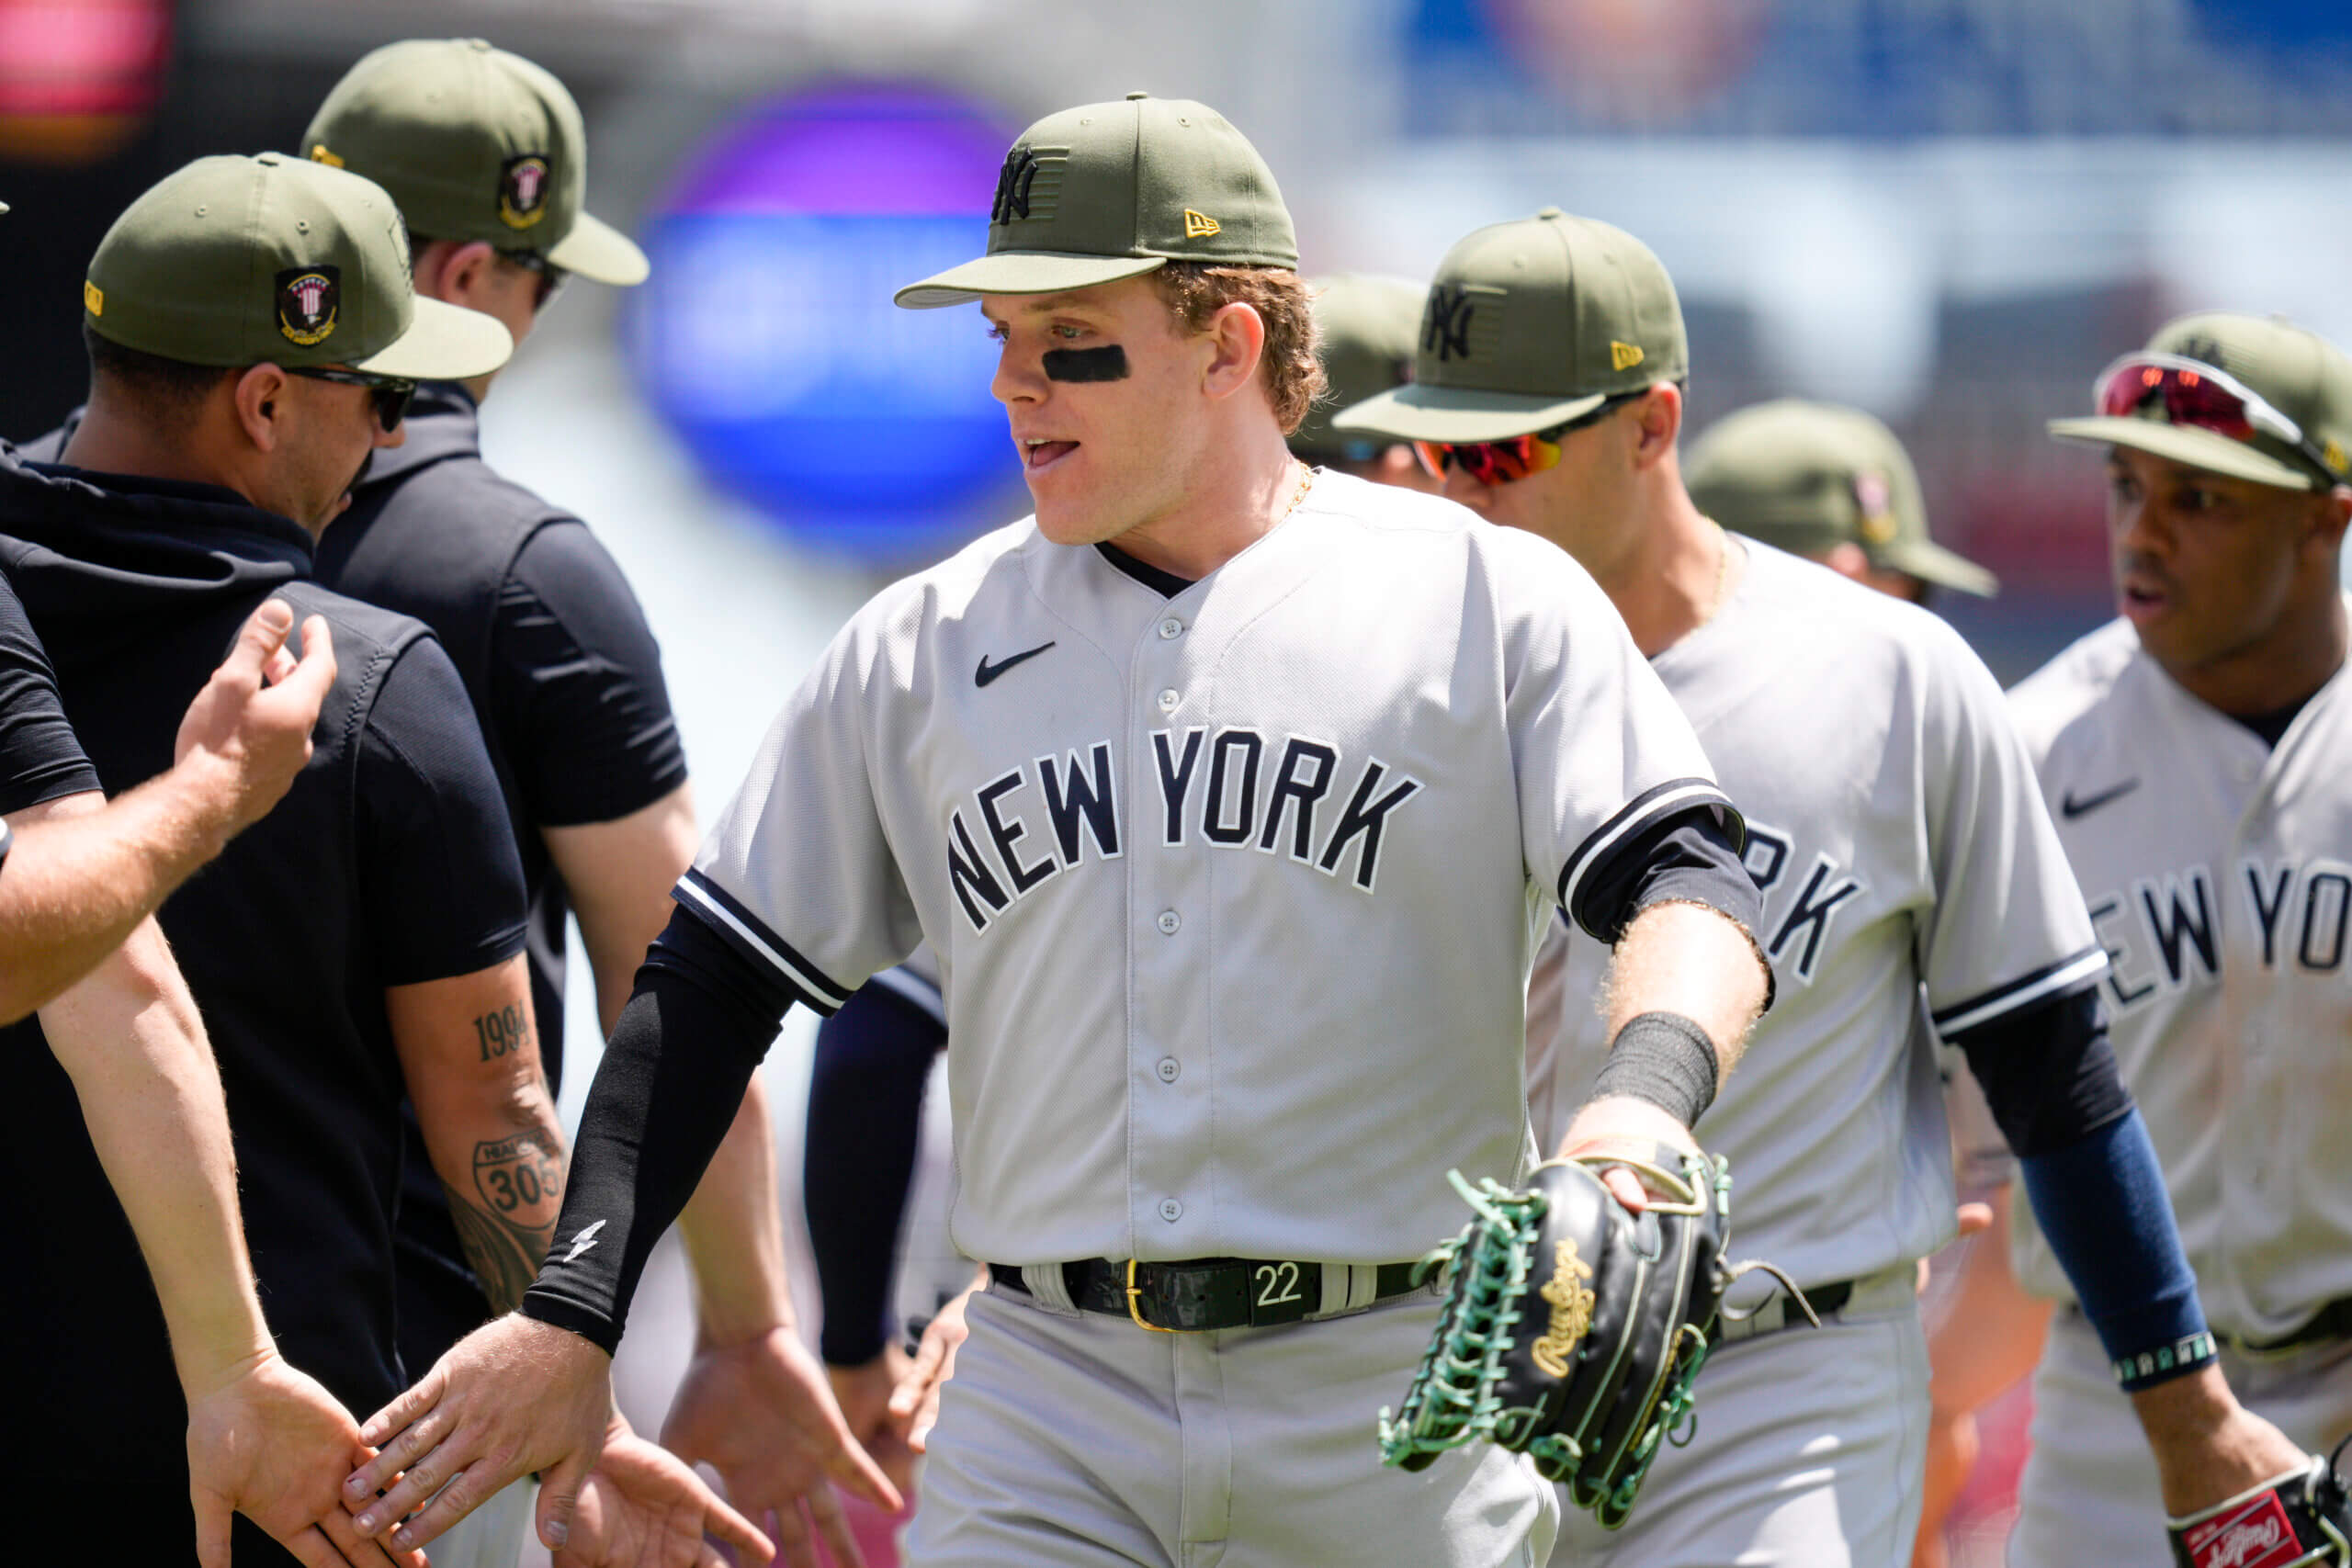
(2193, 754)
(1830, 484)
(874, 1057)
(1900, 847)
(1835, 486)
(1230, 797)
(485, 155)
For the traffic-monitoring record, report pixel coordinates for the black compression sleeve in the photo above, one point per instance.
(1689, 856)
(866, 1091)
(2048, 1072)
(672, 1080)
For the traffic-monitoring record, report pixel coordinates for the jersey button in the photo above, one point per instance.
(1168, 699)
(1168, 1068)
(1171, 1210)
(1170, 923)
(1171, 629)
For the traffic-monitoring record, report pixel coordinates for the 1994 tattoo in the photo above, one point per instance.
(503, 1031)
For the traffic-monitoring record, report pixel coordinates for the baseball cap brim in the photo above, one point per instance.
(601, 253)
(1930, 562)
(444, 343)
(2184, 444)
(1021, 272)
(1419, 411)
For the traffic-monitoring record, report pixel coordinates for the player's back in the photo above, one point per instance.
(1869, 750)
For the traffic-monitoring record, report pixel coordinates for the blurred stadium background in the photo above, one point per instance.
(1952, 212)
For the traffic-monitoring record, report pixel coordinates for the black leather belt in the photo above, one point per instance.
(2332, 1321)
(1204, 1293)
(1779, 1311)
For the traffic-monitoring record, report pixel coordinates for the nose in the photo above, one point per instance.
(1020, 378)
(2135, 525)
(1459, 486)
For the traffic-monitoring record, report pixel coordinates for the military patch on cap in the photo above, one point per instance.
(308, 298)
(1875, 499)
(523, 183)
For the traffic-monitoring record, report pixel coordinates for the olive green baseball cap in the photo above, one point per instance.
(1530, 324)
(1807, 477)
(1107, 191)
(1365, 327)
(2297, 372)
(475, 144)
(239, 261)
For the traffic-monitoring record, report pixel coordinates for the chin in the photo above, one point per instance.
(1065, 522)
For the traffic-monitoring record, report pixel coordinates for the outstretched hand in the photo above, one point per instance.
(251, 725)
(271, 1444)
(644, 1507)
(864, 1393)
(761, 1413)
(512, 1398)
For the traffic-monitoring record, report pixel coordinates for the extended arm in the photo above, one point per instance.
(81, 873)
(264, 1439)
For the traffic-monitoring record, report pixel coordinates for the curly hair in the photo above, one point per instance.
(1196, 291)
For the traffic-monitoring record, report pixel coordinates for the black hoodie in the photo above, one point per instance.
(389, 862)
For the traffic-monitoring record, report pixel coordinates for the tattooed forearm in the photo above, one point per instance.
(507, 1222)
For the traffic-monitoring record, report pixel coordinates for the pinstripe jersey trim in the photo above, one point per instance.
(2069, 974)
(747, 932)
(903, 982)
(1660, 800)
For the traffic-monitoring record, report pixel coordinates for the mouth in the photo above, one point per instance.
(1038, 454)
(2141, 599)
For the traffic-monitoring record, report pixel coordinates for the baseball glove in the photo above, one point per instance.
(2301, 1517)
(1573, 1327)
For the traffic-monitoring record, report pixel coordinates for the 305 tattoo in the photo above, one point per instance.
(508, 1221)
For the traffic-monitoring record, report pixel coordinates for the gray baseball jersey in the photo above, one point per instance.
(1900, 843)
(1233, 893)
(2219, 872)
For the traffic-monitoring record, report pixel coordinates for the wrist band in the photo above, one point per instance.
(1666, 1059)
(2150, 1368)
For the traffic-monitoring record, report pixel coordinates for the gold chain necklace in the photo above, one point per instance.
(1305, 481)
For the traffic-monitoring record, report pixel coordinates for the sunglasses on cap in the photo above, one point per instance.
(552, 277)
(390, 394)
(2201, 398)
(1504, 462)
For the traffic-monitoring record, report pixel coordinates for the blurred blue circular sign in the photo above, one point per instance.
(766, 336)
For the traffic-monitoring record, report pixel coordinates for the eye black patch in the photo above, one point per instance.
(1087, 364)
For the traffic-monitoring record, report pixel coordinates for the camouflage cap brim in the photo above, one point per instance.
(444, 343)
(598, 252)
(2183, 443)
(1930, 562)
(1021, 272)
(1424, 412)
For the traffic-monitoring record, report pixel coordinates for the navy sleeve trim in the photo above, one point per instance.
(1662, 800)
(908, 986)
(749, 934)
(2074, 973)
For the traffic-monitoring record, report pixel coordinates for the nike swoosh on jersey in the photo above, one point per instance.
(2070, 807)
(583, 1241)
(988, 671)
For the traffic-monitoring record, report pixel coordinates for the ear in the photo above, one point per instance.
(1237, 339)
(1658, 424)
(2334, 516)
(453, 273)
(1848, 559)
(259, 396)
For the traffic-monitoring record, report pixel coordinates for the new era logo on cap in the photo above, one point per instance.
(1622, 356)
(1200, 226)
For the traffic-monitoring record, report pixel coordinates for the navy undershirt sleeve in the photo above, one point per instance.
(39, 758)
(576, 684)
(865, 1093)
(2049, 1074)
(440, 879)
(672, 1078)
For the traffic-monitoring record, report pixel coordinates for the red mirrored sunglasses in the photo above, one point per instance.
(1504, 462)
(2200, 397)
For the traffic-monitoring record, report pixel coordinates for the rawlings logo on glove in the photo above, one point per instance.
(2296, 1520)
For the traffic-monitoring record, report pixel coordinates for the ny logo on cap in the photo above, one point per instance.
(1012, 183)
(523, 182)
(1445, 326)
(307, 299)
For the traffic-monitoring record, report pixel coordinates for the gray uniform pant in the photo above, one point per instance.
(1069, 1440)
(2089, 1492)
(1807, 1453)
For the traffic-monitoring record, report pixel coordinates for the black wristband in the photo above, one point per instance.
(1666, 1059)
